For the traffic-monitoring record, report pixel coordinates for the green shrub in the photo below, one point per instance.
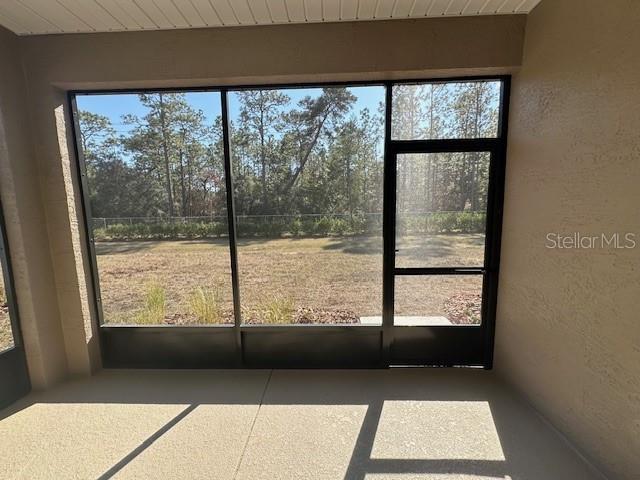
(205, 305)
(154, 310)
(161, 231)
(273, 227)
(246, 228)
(296, 227)
(340, 226)
(309, 225)
(323, 226)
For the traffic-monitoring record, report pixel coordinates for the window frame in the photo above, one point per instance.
(300, 346)
(14, 376)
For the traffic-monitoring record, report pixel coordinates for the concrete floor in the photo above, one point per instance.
(395, 424)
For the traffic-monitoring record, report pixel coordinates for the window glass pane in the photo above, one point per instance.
(308, 171)
(157, 191)
(6, 334)
(441, 209)
(445, 110)
(437, 300)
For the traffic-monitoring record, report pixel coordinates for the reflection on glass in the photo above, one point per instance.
(438, 300)
(445, 110)
(441, 209)
(308, 171)
(157, 191)
(6, 334)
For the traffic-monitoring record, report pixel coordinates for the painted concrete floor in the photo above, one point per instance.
(395, 424)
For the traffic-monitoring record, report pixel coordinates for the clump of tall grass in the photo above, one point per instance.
(155, 306)
(205, 305)
(278, 310)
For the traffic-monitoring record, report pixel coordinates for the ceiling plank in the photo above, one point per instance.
(296, 10)
(9, 21)
(366, 9)
(348, 9)
(278, 11)
(331, 10)
(528, 5)
(189, 13)
(171, 12)
(225, 12)
(455, 7)
(153, 13)
(491, 7)
(207, 12)
(510, 6)
(119, 14)
(92, 14)
(473, 7)
(438, 7)
(314, 10)
(243, 12)
(384, 8)
(135, 12)
(58, 15)
(420, 8)
(402, 8)
(260, 11)
(28, 18)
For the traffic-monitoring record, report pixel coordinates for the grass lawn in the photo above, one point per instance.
(287, 280)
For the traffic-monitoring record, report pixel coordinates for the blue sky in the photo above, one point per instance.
(114, 106)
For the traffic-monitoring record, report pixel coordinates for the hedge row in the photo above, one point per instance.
(439, 222)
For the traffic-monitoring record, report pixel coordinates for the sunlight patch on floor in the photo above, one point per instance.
(432, 430)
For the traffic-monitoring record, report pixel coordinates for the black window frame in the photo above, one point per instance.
(14, 375)
(317, 346)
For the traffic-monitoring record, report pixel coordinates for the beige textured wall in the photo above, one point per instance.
(352, 51)
(26, 225)
(568, 327)
(313, 52)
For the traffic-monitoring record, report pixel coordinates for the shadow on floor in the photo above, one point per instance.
(352, 425)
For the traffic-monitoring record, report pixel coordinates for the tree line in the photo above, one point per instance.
(317, 155)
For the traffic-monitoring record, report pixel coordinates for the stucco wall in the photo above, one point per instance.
(568, 326)
(311, 52)
(26, 225)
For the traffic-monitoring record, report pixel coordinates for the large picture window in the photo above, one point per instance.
(155, 176)
(308, 180)
(317, 225)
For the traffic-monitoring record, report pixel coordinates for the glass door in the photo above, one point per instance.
(440, 219)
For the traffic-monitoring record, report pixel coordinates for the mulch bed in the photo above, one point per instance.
(463, 308)
(302, 316)
(460, 309)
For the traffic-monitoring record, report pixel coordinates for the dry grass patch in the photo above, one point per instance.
(286, 280)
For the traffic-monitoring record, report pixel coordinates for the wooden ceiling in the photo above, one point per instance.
(33, 17)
